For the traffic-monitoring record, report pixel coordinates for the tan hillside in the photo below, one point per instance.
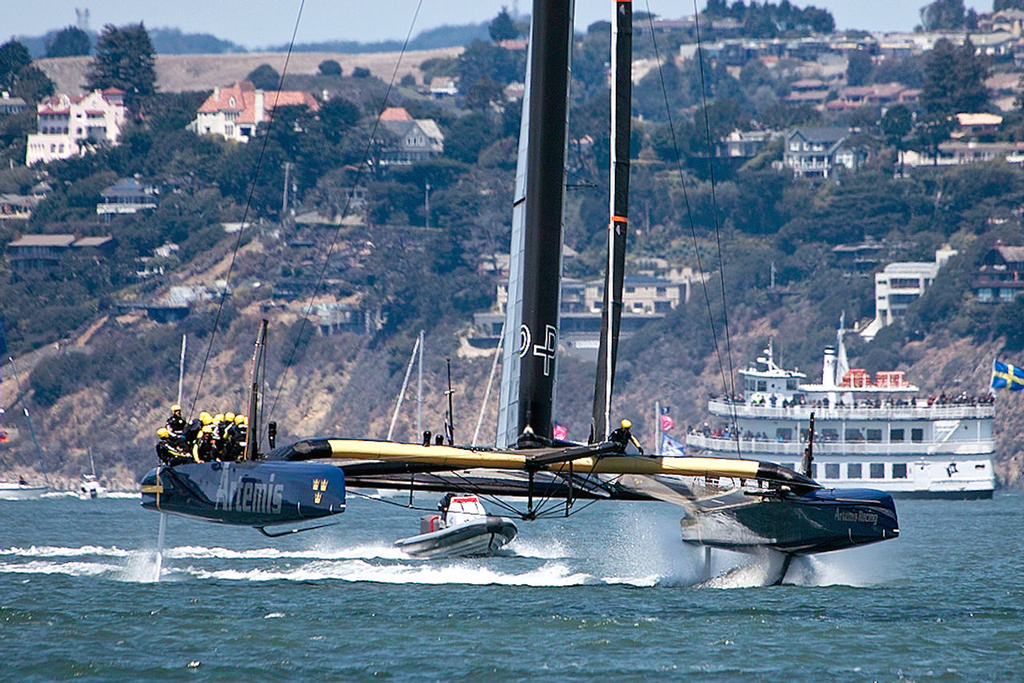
(177, 73)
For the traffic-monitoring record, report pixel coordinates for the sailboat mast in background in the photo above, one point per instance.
(611, 309)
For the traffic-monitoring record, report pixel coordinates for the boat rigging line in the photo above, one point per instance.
(728, 381)
(245, 215)
(322, 275)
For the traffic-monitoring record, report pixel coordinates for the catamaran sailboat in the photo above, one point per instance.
(728, 503)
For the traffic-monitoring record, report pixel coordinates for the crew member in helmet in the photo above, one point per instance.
(624, 437)
(206, 449)
(168, 449)
(176, 423)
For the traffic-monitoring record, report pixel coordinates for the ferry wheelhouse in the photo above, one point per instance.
(869, 431)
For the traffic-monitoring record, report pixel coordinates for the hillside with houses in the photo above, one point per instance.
(785, 176)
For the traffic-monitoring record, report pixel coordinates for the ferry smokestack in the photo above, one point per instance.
(828, 368)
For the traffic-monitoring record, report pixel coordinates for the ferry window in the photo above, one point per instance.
(854, 435)
(762, 385)
(853, 470)
(917, 435)
(899, 470)
(896, 435)
(784, 434)
(750, 385)
(877, 470)
(791, 384)
(814, 471)
(832, 470)
(829, 435)
(874, 435)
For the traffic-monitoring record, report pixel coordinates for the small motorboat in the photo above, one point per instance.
(21, 491)
(462, 528)
(91, 487)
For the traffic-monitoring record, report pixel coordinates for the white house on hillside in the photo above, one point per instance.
(235, 112)
(70, 126)
(901, 284)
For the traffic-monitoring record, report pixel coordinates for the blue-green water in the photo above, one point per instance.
(610, 593)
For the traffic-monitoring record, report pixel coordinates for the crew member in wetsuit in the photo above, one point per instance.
(168, 449)
(624, 437)
(176, 423)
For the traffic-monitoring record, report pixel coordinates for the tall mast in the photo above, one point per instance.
(252, 448)
(611, 309)
(528, 374)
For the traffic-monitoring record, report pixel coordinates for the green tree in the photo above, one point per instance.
(858, 67)
(943, 15)
(930, 132)
(330, 67)
(897, 124)
(503, 28)
(13, 57)
(125, 59)
(69, 42)
(486, 59)
(338, 116)
(19, 76)
(265, 77)
(954, 79)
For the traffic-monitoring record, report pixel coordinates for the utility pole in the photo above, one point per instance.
(284, 198)
(426, 204)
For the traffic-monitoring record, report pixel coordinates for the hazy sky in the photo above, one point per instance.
(260, 23)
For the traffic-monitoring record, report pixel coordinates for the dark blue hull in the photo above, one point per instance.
(257, 493)
(817, 521)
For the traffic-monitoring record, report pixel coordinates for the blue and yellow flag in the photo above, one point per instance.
(1006, 376)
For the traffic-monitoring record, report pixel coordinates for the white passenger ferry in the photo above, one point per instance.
(879, 433)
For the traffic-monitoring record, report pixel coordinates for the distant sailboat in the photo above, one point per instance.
(21, 490)
(91, 487)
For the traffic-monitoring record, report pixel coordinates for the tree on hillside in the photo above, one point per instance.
(330, 67)
(503, 28)
(897, 124)
(19, 76)
(943, 15)
(858, 67)
(265, 77)
(69, 42)
(954, 79)
(13, 57)
(338, 116)
(125, 59)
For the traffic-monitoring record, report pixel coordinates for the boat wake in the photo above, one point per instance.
(528, 563)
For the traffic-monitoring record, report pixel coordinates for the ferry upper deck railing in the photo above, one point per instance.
(794, 448)
(936, 411)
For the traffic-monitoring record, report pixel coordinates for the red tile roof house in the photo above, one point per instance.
(235, 112)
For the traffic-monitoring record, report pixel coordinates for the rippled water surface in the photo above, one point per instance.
(609, 593)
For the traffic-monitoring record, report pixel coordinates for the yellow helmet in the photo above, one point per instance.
(163, 432)
(626, 424)
(219, 417)
(208, 429)
(239, 419)
(206, 417)
(175, 408)
(229, 416)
